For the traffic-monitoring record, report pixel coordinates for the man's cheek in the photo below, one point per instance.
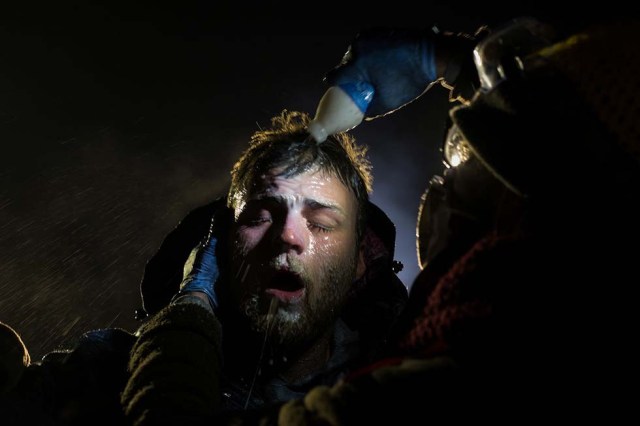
(328, 248)
(319, 260)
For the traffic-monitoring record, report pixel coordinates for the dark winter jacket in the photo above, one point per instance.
(375, 304)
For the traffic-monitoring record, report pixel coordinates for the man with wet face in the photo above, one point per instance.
(290, 285)
(296, 269)
(295, 243)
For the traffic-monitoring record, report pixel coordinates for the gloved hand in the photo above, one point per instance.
(397, 65)
(201, 271)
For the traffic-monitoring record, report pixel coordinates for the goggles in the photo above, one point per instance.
(456, 149)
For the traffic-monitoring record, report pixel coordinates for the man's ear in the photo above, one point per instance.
(362, 266)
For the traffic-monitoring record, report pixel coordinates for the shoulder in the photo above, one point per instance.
(74, 383)
(94, 345)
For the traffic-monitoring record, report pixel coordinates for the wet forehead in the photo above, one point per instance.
(312, 186)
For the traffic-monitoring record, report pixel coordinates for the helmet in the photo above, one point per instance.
(556, 113)
(549, 122)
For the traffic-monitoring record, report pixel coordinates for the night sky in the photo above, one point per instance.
(117, 121)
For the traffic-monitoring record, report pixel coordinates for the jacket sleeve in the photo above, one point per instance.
(175, 368)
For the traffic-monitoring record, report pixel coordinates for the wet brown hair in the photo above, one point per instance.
(286, 145)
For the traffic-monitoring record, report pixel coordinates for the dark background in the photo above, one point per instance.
(115, 121)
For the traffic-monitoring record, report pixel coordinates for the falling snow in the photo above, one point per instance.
(111, 133)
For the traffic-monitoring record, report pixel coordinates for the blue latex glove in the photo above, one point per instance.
(201, 271)
(396, 65)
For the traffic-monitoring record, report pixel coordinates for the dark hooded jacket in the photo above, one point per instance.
(181, 344)
(375, 303)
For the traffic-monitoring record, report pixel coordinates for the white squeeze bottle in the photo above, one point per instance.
(341, 108)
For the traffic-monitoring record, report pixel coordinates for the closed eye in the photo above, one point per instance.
(255, 216)
(258, 221)
(316, 227)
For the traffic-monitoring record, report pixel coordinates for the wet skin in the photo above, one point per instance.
(295, 240)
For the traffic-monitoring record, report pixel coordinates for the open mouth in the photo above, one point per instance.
(287, 286)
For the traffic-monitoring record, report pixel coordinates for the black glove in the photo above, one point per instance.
(201, 271)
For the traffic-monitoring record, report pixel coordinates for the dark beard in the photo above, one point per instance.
(300, 325)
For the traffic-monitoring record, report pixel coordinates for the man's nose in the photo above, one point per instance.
(295, 234)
